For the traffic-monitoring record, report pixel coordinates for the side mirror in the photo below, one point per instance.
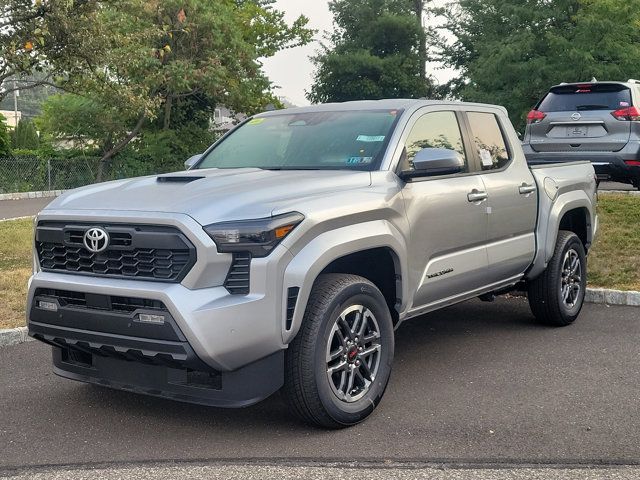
(436, 161)
(192, 161)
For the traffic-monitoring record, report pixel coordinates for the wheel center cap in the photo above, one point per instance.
(352, 354)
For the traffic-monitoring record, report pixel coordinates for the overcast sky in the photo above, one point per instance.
(291, 70)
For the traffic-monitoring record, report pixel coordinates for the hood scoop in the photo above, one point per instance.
(179, 178)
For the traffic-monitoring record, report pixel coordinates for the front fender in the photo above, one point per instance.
(307, 264)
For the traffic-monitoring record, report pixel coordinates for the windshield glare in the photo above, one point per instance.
(317, 140)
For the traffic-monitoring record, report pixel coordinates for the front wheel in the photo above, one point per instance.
(557, 295)
(338, 366)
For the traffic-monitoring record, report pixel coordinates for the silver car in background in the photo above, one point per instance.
(595, 121)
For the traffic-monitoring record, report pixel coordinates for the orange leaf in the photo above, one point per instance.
(182, 16)
(28, 46)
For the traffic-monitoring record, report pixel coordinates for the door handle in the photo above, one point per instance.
(527, 189)
(477, 196)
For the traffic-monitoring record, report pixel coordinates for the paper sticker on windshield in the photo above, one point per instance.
(486, 158)
(370, 138)
(256, 121)
(359, 160)
(624, 104)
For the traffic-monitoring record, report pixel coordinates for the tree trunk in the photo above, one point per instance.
(167, 112)
(109, 154)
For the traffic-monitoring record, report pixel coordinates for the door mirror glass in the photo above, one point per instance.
(437, 161)
(192, 161)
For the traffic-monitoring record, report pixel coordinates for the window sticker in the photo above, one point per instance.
(256, 121)
(370, 138)
(486, 158)
(624, 104)
(359, 160)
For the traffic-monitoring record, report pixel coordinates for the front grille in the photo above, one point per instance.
(144, 252)
(237, 282)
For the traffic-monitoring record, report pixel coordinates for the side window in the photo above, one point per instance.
(433, 130)
(489, 140)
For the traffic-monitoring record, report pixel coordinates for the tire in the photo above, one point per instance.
(315, 396)
(546, 293)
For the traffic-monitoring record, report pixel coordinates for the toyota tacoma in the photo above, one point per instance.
(287, 254)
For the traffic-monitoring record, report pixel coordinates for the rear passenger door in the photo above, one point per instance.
(513, 201)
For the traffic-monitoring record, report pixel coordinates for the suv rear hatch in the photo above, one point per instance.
(578, 117)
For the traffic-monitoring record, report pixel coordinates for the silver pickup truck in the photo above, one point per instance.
(287, 254)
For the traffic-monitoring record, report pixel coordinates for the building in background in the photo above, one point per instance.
(12, 118)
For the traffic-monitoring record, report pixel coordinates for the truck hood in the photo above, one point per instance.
(211, 195)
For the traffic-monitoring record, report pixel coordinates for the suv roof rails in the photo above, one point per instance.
(633, 80)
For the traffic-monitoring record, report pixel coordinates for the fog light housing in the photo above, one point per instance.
(49, 306)
(151, 318)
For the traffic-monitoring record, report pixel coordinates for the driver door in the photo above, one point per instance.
(447, 214)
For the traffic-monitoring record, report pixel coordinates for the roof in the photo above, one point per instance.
(387, 104)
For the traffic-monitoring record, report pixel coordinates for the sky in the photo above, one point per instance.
(292, 71)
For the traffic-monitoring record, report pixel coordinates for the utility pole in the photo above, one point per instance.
(16, 94)
(422, 50)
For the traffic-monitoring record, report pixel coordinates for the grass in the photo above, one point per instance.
(15, 268)
(614, 261)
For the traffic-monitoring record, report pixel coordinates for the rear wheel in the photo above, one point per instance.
(338, 366)
(557, 295)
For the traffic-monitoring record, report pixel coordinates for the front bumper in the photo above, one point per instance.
(209, 333)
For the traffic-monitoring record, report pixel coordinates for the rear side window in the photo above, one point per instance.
(433, 130)
(572, 98)
(488, 138)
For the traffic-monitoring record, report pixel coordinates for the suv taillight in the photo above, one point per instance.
(629, 114)
(535, 116)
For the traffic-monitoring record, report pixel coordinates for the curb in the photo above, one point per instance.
(602, 296)
(612, 297)
(27, 195)
(633, 193)
(14, 336)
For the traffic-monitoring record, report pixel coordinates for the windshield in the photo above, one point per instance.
(353, 140)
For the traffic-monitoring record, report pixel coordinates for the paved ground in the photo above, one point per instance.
(616, 186)
(476, 384)
(280, 472)
(22, 208)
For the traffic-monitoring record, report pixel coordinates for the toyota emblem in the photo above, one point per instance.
(576, 116)
(96, 240)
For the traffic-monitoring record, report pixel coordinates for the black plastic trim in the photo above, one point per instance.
(126, 239)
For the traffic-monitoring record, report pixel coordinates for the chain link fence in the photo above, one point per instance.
(29, 173)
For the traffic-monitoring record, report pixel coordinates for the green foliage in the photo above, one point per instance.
(377, 53)
(5, 142)
(509, 52)
(82, 121)
(25, 136)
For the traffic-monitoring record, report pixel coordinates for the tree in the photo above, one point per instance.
(378, 51)
(36, 34)
(5, 142)
(25, 136)
(509, 52)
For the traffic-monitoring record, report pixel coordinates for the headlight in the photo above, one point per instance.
(258, 237)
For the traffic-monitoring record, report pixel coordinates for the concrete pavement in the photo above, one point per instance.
(22, 208)
(475, 384)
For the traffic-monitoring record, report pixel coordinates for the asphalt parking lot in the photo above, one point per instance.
(474, 384)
